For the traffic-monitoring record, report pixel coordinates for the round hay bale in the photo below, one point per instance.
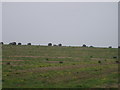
(99, 61)
(60, 61)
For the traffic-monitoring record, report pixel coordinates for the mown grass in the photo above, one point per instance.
(39, 67)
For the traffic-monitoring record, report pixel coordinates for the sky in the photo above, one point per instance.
(69, 23)
(119, 24)
(0, 21)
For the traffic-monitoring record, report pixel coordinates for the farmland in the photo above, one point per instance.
(28, 66)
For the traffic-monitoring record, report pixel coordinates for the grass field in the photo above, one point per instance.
(28, 66)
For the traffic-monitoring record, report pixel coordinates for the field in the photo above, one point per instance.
(28, 66)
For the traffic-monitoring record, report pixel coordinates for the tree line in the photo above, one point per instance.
(49, 44)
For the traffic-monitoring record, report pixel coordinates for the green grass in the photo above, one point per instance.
(40, 67)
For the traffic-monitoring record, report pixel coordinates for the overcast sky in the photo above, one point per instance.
(68, 23)
(0, 21)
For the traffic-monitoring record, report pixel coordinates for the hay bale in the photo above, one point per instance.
(114, 57)
(3, 80)
(8, 63)
(47, 59)
(91, 56)
(60, 61)
(117, 61)
(16, 73)
(99, 61)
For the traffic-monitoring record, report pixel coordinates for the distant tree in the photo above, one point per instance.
(28, 43)
(118, 46)
(12, 43)
(59, 44)
(84, 45)
(49, 44)
(19, 44)
(110, 47)
(1, 43)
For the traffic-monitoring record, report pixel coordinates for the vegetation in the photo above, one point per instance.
(28, 66)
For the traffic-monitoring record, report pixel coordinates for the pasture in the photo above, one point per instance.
(28, 66)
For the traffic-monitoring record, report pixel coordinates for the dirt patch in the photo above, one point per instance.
(97, 58)
(54, 61)
(15, 60)
(40, 56)
(44, 69)
(25, 56)
(64, 57)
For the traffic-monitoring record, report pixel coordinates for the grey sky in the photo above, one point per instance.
(67, 23)
(119, 24)
(0, 21)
